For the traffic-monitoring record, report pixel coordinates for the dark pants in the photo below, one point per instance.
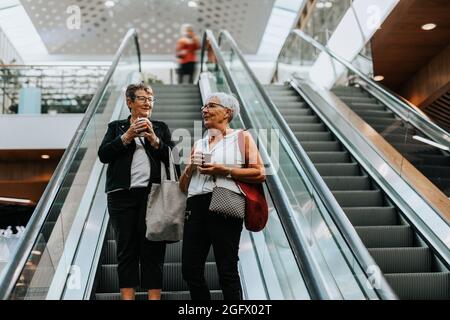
(202, 229)
(186, 69)
(134, 252)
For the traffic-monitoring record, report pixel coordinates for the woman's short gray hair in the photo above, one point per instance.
(226, 100)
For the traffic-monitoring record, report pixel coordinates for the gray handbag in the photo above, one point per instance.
(166, 207)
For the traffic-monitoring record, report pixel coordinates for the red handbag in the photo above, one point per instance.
(256, 209)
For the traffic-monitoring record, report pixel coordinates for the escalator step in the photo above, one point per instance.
(179, 295)
(376, 114)
(371, 216)
(301, 119)
(420, 286)
(383, 121)
(314, 136)
(173, 281)
(347, 183)
(403, 260)
(338, 169)
(412, 148)
(298, 105)
(321, 146)
(295, 112)
(359, 198)
(308, 127)
(386, 236)
(329, 157)
(435, 171)
(359, 107)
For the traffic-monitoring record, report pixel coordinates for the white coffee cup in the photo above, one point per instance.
(207, 157)
(138, 121)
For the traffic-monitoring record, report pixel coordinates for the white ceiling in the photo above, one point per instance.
(157, 21)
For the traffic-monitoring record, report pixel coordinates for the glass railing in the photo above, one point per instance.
(59, 217)
(335, 265)
(39, 89)
(419, 141)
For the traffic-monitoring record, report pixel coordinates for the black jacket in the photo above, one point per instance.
(119, 157)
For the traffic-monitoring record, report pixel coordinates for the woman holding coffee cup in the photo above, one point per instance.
(216, 160)
(133, 148)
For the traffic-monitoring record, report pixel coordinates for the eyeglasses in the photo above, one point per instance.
(143, 99)
(212, 105)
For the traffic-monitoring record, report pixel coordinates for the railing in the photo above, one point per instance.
(43, 243)
(62, 89)
(318, 189)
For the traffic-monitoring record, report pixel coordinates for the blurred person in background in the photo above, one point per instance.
(186, 49)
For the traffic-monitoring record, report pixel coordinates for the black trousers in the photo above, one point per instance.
(202, 229)
(186, 69)
(140, 261)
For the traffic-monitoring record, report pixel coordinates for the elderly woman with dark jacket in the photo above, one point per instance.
(133, 148)
(203, 228)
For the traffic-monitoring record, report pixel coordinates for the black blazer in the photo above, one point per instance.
(119, 157)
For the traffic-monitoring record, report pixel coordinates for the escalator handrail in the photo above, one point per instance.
(11, 272)
(431, 129)
(359, 250)
(303, 257)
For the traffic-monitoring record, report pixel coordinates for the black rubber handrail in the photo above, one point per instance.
(347, 230)
(10, 274)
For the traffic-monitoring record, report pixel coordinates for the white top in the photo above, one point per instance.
(226, 152)
(140, 166)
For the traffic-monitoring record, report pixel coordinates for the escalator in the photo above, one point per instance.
(408, 264)
(434, 163)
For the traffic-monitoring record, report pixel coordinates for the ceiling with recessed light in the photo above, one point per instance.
(104, 23)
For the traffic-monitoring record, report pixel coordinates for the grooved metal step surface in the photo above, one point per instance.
(410, 267)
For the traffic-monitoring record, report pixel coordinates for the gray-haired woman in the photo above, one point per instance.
(204, 228)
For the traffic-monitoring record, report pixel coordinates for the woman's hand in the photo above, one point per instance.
(213, 169)
(147, 127)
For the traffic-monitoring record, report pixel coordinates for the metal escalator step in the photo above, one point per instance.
(180, 114)
(420, 286)
(393, 129)
(173, 280)
(347, 183)
(358, 100)
(386, 236)
(308, 127)
(314, 136)
(289, 98)
(295, 112)
(359, 198)
(298, 105)
(375, 114)
(371, 216)
(403, 260)
(321, 146)
(301, 119)
(338, 169)
(328, 157)
(179, 123)
(170, 101)
(358, 107)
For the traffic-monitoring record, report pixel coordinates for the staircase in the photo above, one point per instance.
(408, 264)
(178, 106)
(431, 161)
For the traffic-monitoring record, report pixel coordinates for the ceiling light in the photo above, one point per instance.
(15, 200)
(378, 78)
(192, 4)
(429, 26)
(431, 143)
(109, 4)
(320, 5)
(328, 4)
(45, 156)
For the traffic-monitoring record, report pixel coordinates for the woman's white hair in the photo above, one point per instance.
(227, 100)
(185, 28)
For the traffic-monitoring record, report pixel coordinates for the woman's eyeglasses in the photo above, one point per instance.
(211, 105)
(142, 99)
